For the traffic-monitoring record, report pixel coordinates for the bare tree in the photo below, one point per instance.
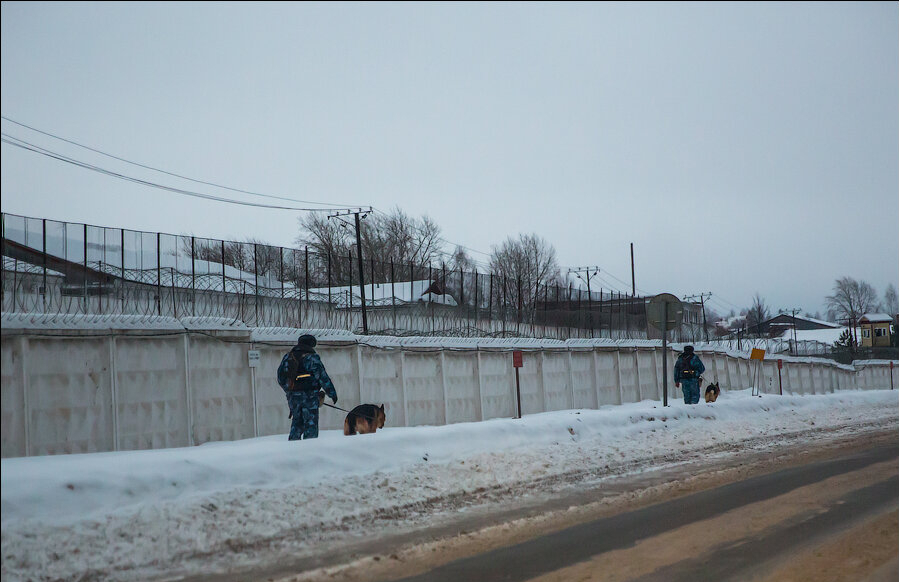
(265, 259)
(523, 266)
(460, 260)
(394, 237)
(330, 242)
(850, 300)
(890, 301)
(757, 314)
(239, 255)
(397, 237)
(407, 239)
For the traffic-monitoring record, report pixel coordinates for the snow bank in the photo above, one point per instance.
(133, 515)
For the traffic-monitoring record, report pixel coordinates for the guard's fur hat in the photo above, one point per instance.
(307, 341)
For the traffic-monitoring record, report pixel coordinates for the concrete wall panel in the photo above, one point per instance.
(424, 388)
(12, 397)
(583, 378)
(463, 397)
(497, 385)
(649, 382)
(630, 381)
(70, 396)
(607, 376)
(151, 395)
(531, 381)
(222, 391)
(556, 387)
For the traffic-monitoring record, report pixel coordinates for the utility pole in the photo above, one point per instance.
(701, 297)
(586, 271)
(356, 213)
(793, 313)
(633, 280)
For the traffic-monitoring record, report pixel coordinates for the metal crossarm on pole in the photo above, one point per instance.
(356, 213)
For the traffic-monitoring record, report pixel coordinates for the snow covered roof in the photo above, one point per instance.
(875, 318)
(806, 318)
(11, 264)
(825, 336)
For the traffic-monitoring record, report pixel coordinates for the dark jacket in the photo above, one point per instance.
(683, 366)
(311, 363)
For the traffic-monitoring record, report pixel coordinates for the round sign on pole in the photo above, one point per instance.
(655, 311)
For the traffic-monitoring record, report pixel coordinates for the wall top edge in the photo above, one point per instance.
(94, 325)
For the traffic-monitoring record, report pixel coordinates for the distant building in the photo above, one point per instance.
(777, 325)
(875, 329)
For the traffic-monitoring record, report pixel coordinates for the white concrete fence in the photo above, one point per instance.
(90, 390)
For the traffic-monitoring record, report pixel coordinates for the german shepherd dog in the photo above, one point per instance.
(712, 391)
(364, 419)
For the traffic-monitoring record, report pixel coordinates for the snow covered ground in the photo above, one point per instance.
(167, 513)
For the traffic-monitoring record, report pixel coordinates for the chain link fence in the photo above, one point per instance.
(67, 268)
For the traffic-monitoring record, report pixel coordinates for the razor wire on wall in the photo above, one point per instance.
(64, 268)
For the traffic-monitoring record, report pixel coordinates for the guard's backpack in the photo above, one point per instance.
(688, 372)
(292, 374)
(287, 371)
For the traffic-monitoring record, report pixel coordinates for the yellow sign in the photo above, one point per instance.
(757, 354)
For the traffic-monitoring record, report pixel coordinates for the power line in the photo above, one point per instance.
(624, 282)
(443, 240)
(719, 298)
(723, 305)
(167, 172)
(14, 141)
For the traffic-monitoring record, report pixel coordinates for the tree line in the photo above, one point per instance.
(522, 265)
(848, 301)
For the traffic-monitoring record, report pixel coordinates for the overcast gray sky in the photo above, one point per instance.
(741, 147)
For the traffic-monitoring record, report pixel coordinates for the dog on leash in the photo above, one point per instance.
(364, 419)
(712, 392)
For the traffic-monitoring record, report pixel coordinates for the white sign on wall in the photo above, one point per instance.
(252, 358)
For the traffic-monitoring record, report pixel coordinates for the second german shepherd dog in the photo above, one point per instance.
(364, 419)
(712, 392)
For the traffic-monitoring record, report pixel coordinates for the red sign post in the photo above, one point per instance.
(780, 364)
(517, 362)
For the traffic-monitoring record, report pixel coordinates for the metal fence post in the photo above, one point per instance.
(224, 284)
(174, 300)
(84, 300)
(193, 278)
(43, 256)
(393, 294)
(158, 275)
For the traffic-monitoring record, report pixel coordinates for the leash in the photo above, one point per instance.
(350, 412)
(332, 406)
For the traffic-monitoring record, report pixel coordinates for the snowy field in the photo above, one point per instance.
(175, 512)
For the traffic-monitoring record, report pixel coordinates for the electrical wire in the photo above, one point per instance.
(329, 205)
(441, 239)
(722, 299)
(447, 254)
(14, 141)
(11, 140)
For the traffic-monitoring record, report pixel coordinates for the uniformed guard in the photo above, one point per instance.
(303, 376)
(687, 370)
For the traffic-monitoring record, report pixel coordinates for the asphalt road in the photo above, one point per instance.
(740, 531)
